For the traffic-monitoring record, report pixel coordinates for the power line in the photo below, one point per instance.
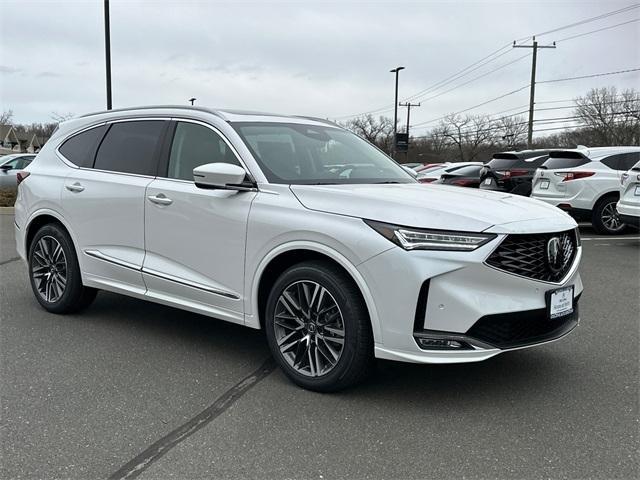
(476, 78)
(475, 106)
(590, 76)
(587, 20)
(598, 30)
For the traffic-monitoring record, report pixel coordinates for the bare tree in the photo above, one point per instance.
(609, 118)
(512, 131)
(469, 134)
(379, 132)
(6, 117)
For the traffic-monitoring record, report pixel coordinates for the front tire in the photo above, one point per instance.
(606, 219)
(318, 327)
(54, 272)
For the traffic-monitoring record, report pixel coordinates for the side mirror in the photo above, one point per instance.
(220, 175)
(410, 171)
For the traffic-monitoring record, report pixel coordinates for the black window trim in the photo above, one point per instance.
(163, 163)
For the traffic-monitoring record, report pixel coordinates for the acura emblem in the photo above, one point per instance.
(554, 254)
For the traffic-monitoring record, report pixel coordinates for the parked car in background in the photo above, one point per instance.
(433, 173)
(585, 182)
(512, 172)
(10, 165)
(628, 206)
(244, 217)
(467, 176)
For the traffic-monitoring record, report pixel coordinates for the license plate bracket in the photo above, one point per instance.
(544, 184)
(560, 302)
(637, 190)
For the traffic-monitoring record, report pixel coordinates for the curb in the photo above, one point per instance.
(7, 211)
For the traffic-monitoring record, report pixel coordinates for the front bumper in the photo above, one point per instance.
(461, 291)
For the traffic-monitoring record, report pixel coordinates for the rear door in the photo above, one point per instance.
(195, 237)
(103, 200)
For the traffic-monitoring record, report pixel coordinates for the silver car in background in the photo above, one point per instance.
(10, 165)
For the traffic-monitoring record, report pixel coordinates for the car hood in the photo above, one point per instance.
(436, 206)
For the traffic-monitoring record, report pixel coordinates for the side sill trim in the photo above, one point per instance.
(101, 256)
(189, 283)
(122, 263)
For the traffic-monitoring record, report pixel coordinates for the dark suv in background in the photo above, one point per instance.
(512, 172)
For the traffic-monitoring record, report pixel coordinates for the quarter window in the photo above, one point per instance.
(130, 147)
(81, 148)
(194, 145)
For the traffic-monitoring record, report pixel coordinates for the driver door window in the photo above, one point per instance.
(194, 145)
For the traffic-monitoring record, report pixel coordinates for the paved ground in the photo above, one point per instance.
(133, 387)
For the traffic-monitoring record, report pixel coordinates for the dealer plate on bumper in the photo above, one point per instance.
(560, 302)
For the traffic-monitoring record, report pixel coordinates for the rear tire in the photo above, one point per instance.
(605, 218)
(318, 328)
(54, 272)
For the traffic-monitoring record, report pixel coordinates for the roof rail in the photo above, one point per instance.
(154, 107)
(317, 119)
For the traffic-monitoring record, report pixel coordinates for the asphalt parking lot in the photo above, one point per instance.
(130, 388)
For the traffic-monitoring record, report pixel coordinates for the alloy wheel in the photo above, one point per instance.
(610, 218)
(49, 269)
(309, 328)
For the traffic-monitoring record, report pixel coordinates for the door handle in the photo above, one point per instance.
(160, 199)
(76, 187)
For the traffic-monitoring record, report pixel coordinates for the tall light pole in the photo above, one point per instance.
(107, 51)
(395, 109)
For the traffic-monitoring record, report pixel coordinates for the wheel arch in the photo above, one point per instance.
(41, 218)
(284, 256)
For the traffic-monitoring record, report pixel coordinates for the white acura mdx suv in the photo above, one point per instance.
(296, 226)
(585, 182)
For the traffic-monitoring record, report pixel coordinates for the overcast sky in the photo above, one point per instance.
(327, 59)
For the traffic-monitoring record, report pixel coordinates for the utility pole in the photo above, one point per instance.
(395, 111)
(532, 94)
(107, 51)
(408, 105)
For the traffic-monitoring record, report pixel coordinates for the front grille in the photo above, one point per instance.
(534, 256)
(510, 330)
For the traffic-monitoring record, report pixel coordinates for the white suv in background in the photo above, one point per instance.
(585, 182)
(629, 205)
(297, 226)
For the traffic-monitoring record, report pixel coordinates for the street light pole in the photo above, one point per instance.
(395, 111)
(192, 100)
(107, 51)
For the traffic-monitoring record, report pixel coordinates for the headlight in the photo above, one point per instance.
(421, 239)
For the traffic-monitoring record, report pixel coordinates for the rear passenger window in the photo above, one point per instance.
(81, 148)
(194, 145)
(555, 163)
(628, 160)
(130, 147)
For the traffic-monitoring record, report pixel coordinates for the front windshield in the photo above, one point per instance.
(308, 154)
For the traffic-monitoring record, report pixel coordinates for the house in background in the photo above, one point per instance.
(9, 142)
(29, 142)
(19, 142)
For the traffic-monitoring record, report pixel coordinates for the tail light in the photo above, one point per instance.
(21, 176)
(427, 180)
(462, 182)
(513, 173)
(574, 175)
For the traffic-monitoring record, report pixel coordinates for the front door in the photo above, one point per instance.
(195, 238)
